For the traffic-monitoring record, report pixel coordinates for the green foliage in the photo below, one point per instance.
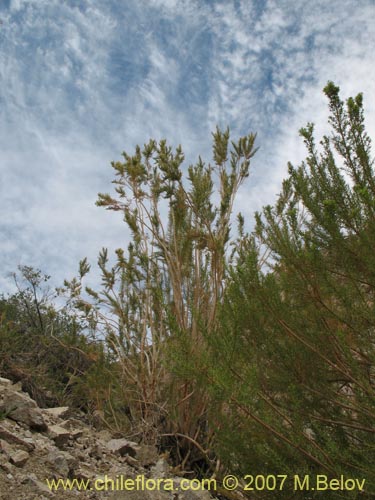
(293, 359)
(159, 299)
(44, 348)
(256, 360)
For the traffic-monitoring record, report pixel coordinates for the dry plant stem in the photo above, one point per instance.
(318, 353)
(286, 418)
(72, 348)
(191, 440)
(281, 436)
(354, 408)
(309, 439)
(345, 424)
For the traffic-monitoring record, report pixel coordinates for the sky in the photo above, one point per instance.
(83, 80)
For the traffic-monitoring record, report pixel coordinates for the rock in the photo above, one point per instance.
(74, 426)
(133, 462)
(21, 408)
(58, 412)
(104, 435)
(5, 447)
(96, 451)
(72, 423)
(19, 458)
(62, 462)
(5, 465)
(160, 469)
(92, 454)
(84, 473)
(76, 433)
(14, 439)
(146, 455)
(122, 447)
(60, 435)
(5, 381)
(32, 480)
(17, 386)
(43, 443)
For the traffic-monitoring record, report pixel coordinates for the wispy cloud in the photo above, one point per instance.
(271, 61)
(83, 80)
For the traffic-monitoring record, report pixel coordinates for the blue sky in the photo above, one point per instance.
(84, 80)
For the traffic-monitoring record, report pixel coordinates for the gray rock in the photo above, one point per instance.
(122, 447)
(58, 412)
(146, 455)
(34, 482)
(5, 465)
(104, 435)
(21, 408)
(60, 435)
(5, 381)
(18, 458)
(12, 438)
(62, 462)
(5, 447)
(91, 454)
(84, 473)
(74, 426)
(160, 469)
(96, 451)
(133, 462)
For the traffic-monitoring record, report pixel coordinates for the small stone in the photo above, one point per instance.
(160, 469)
(84, 473)
(104, 435)
(58, 462)
(72, 423)
(146, 455)
(5, 465)
(32, 480)
(133, 462)
(96, 452)
(5, 381)
(60, 435)
(5, 447)
(122, 447)
(21, 408)
(62, 462)
(11, 438)
(19, 458)
(76, 433)
(58, 412)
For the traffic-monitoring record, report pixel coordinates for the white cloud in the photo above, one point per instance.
(81, 81)
(270, 68)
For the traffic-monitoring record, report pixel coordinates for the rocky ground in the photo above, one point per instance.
(38, 444)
